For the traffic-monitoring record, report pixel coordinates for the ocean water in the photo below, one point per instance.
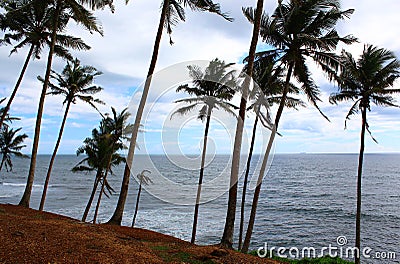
(307, 200)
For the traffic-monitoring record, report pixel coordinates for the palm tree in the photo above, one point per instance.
(269, 84)
(369, 79)
(98, 152)
(10, 145)
(299, 30)
(116, 128)
(143, 180)
(227, 237)
(171, 13)
(212, 89)
(29, 23)
(75, 83)
(62, 10)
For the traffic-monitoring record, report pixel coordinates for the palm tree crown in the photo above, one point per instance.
(212, 88)
(302, 29)
(10, 145)
(369, 79)
(75, 82)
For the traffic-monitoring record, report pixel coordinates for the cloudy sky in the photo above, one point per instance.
(123, 55)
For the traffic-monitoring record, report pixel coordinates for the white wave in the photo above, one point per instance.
(20, 184)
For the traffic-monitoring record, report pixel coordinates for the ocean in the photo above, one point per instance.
(307, 200)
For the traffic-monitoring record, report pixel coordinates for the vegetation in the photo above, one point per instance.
(143, 180)
(275, 74)
(62, 12)
(74, 83)
(368, 80)
(297, 30)
(11, 144)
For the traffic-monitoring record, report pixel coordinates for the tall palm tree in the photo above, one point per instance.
(227, 237)
(171, 13)
(212, 89)
(75, 83)
(369, 79)
(269, 84)
(143, 180)
(68, 9)
(299, 30)
(29, 23)
(10, 145)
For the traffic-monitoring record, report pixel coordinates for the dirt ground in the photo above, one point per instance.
(30, 236)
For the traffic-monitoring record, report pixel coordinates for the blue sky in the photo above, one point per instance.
(123, 56)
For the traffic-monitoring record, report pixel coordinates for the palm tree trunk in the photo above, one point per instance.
(119, 210)
(203, 159)
(89, 204)
(53, 156)
(2, 161)
(137, 205)
(227, 237)
(256, 196)
(21, 76)
(359, 177)
(246, 177)
(99, 199)
(25, 200)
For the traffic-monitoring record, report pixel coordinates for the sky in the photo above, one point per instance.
(123, 55)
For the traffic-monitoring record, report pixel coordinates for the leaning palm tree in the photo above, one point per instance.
(298, 30)
(267, 91)
(10, 145)
(369, 79)
(74, 83)
(63, 10)
(29, 23)
(227, 237)
(143, 180)
(212, 89)
(171, 13)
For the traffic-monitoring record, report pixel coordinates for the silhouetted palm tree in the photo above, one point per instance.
(10, 145)
(298, 30)
(369, 79)
(116, 128)
(98, 150)
(63, 10)
(171, 13)
(227, 237)
(75, 83)
(212, 89)
(29, 23)
(267, 91)
(143, 180)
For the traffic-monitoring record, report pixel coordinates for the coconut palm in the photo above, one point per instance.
(227, 237)
(269, 84)
(67, 9)
(116, 128)
(369, 79)
(298, 30)
(212, 89)
(98, 150)
(143, 180)
(75, 83)
(29, 23)
(171, 13)
(10, 145)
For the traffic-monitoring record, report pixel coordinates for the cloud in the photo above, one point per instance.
(123, 55)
